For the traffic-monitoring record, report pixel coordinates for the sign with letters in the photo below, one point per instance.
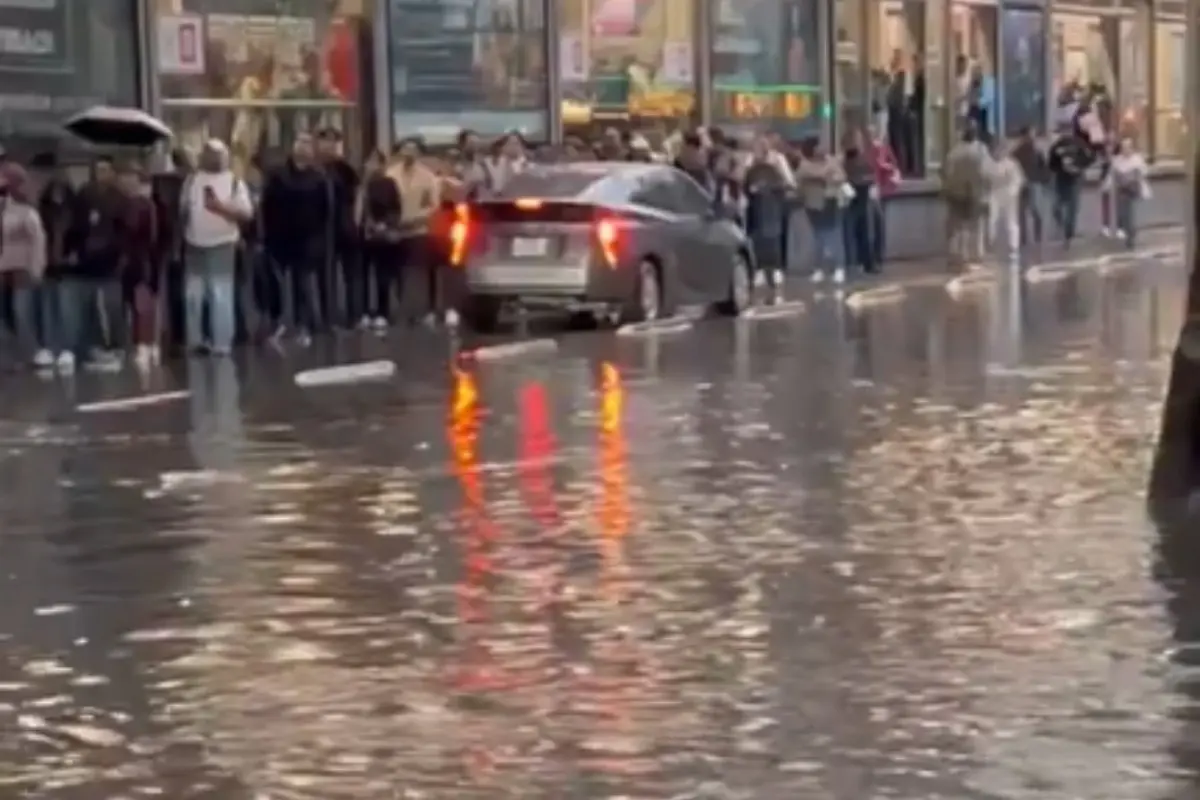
(35, 36)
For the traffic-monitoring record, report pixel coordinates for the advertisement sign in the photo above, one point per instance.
(34, 36)
(181, 44)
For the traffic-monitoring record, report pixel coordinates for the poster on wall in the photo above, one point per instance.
(181, 44)
(1023, 83)
(35, 36)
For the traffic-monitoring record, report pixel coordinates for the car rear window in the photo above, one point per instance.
(560, 184)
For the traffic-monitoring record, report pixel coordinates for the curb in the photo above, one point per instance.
(132, 403)
(497, 352)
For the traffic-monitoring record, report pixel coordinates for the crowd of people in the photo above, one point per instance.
(198, 258)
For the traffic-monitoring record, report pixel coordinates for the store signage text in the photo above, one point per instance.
(34, 36)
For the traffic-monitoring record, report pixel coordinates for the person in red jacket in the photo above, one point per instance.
(887, 178)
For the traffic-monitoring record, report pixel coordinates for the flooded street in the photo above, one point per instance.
(899, 551)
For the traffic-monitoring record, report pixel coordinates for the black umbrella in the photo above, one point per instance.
(113, 125)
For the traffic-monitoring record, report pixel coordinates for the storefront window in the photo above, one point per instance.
(1170, 131)
(1085, 65)
(478, 66)
(1133, 90)
(896, 79)
(1023, 82)
(850, 75)
(74, 55)
(975, 93)
(935, 82)
(242, 71)
(766, 67)
(627, 63)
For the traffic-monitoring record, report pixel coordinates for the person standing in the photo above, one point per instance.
(297, 217)
(60, 289)
(344, 265)
(137, 238)
(1127, 176)
(858, 219)
(887, 178)
(965, 190)
(22, 260)
(821, 180)
(96, 252)
(1068, 159)
(420, 195)
(379, 212)
(1031, 216)
(767, 191)
(216, 203)
(1006, 180)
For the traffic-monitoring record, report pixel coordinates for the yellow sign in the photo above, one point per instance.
(661, 103)
(755, 105)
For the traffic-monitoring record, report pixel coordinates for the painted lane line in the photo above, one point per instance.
(656, 327)
(777, 311)
(977, 279)
(346, 373)
(497, 352)
(130, 403)
(876, 296)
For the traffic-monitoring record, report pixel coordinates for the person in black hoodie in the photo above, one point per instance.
(345, 263)
(95, 251)
(60, 301)
(1028, 153)
(298, 223)
(1069, 157)
(378, 212)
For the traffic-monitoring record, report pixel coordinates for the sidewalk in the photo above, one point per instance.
(1051, 256)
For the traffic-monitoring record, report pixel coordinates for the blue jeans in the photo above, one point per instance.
(1066, 207)
(1125, 209)
(65, 308)
(827, 237)
(210, 282)
(25, 299)
(1031, 217)
(857, 227)
(879, 230)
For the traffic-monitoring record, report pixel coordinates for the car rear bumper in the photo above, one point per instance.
(550, 284)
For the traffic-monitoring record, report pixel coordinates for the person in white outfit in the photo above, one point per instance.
(215, 204)
(1006, 179)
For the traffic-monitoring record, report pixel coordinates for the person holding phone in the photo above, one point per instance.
(216, 203)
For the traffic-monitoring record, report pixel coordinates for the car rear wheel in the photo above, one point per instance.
(645, 304)
(481, 314)
(741, 287)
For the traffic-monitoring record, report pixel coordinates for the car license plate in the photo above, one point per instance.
(529, 248)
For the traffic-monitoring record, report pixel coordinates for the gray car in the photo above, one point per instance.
(628, 241)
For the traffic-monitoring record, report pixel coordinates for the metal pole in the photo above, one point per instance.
(552, 43)
(381, 59)
(702, 41)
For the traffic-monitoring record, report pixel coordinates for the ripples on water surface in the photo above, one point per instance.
(909, 562)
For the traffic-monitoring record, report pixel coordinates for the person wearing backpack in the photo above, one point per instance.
(215, 204)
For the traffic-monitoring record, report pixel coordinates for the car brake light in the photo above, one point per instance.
(460, 231)
(608, 236)
(528, 203)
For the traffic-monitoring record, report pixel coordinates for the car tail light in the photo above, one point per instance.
(608, 236)
(460, 234)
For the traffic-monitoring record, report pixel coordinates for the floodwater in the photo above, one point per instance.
(898, 552)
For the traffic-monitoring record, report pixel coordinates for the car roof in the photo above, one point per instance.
(582, 181)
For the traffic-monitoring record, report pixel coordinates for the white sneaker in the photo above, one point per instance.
(43, 359)
(778, 278)
(364, 323)
(839, 275)
(380, 323)
(143, 356)
(303, 339)
(818, 276)
(452, 319)
(66, 361)
(1106, 233)
(760, 279)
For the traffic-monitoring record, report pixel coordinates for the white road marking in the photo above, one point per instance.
(512, 349)
(777, 311)
(875, 296)
(656, 327)
(130, 403)
(346, 373)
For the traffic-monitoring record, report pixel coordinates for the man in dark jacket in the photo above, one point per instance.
(298, 214)
(95, 259)
(344, 266)
(60, 305)
(1028, 153)
(1069, 157)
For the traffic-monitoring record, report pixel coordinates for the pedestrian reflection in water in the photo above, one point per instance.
(216, 417)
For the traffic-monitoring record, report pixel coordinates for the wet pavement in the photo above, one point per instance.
(898, 551)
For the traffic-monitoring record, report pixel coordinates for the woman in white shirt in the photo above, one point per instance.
(1127, 182)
